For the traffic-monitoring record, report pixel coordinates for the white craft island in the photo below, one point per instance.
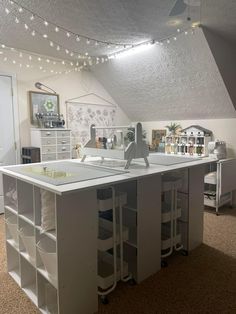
(106, 219)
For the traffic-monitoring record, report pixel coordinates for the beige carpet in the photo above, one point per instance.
(204, 282)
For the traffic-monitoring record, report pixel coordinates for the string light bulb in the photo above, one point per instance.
(33, 33)
(32, 17)
(45, 23)
(88, 41)
(17, 20)
(45, 36)
(56, 29)
(7, 10)
(20, 9)
(58, 48)
(77, 38)
(26, 26)
(68, 34)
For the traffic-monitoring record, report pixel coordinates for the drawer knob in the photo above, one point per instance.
(48, 133)
(63, 148)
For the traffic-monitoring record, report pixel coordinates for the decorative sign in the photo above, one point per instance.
(43, 103)
(81, 115)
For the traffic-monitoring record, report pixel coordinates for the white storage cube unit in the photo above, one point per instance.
(53, 143)
(38, 261)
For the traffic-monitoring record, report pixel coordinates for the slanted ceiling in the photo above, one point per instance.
(176, 81)
(179, 80)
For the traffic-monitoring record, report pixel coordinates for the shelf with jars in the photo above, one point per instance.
(192, 141)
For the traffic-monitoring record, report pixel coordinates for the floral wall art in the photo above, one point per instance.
(80, 116)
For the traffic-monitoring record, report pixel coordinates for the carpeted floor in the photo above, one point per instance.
(203, 282)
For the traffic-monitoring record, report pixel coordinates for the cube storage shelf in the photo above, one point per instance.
(85, 255)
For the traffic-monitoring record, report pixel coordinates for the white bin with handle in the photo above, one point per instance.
(47, 250)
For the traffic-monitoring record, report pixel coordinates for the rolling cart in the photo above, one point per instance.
(171, 212)
(111, 264)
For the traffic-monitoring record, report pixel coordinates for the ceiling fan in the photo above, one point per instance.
(181, 5)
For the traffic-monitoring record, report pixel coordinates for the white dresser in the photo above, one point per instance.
(53, 143)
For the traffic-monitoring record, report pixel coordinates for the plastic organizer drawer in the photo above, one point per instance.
(63, 140)
(166, 213)
(48, 133)
(63, 148)
(105, 236)
(49, 149)
(48, 141)
(106, 204)
(47, 157)
(105, 277)
(166, 242)
(63, 133)
(63, 155)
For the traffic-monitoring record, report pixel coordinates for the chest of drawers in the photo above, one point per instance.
(53, 143)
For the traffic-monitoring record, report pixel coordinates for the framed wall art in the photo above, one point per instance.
(158, 139)
(43, 103)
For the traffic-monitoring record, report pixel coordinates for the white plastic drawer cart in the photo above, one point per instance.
(220, 184)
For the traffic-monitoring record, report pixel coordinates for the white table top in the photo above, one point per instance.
(136, 170)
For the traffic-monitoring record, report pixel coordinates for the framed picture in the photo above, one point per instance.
(158, 139)
(43, 103)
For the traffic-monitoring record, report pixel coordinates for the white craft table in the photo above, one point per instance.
(77, 227)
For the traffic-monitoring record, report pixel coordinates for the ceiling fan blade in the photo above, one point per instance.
(178, 8)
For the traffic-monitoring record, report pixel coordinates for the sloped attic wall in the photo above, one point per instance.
(224, 53)
(175, 81)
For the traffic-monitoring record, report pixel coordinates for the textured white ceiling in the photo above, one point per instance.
(131, 21)
(175, 81)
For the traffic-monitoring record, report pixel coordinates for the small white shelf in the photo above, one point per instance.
(166, 214)
(105, 237)
(16, 276)
(166, 242)
(211, 202)
(106, 204)
(13, 244)
(31, 293)
(211, 178)
(105, 276)
(51, 234)
(44, 273)
(28, 217)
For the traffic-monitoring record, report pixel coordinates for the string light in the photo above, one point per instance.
(57, 28)
(44, 35)
(7, 10)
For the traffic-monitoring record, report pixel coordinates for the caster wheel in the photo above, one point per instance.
(104, 299)
(164, 264)
(217, 214)
(132, 282)
(184, 252)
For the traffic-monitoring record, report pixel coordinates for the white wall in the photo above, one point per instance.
(223, 129)
(68, 86)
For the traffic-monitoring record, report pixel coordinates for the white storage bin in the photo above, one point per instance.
(11, 223)
(27, 235)
(47, 251)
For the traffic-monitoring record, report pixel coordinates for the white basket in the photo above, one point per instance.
(27, 236)
(11, 223)
(47, 251)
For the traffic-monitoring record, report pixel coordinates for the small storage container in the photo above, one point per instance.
(27, 236)
(11, 223)
(47, 250)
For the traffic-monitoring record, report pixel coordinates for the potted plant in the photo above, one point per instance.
(173, 128)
